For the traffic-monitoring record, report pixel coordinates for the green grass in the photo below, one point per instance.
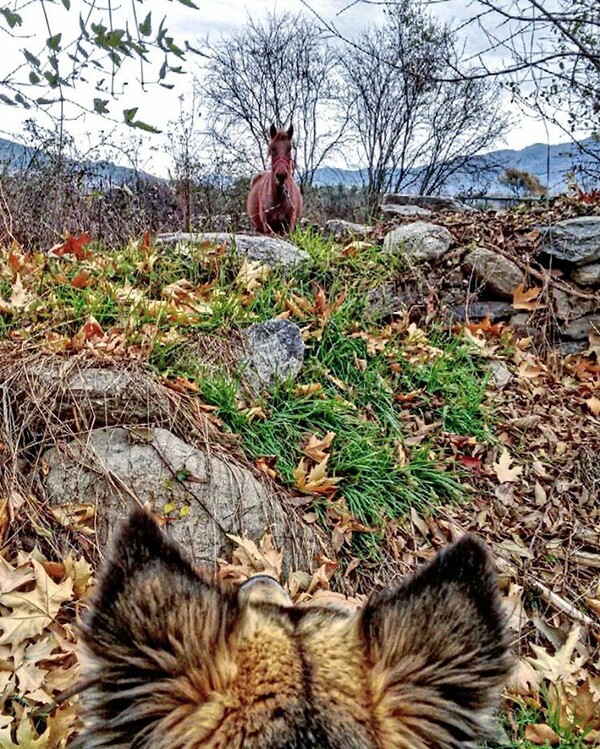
(358, 391)
(454, 386)
(373, 483)
(523, 715)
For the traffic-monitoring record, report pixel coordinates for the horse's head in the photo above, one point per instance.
(280, 151)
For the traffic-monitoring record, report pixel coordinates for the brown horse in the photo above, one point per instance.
(274, 203)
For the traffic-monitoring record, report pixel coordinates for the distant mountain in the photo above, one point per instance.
(549, 163)
(16, 157)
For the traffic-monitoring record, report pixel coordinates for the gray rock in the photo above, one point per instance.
(587, 275)
(388, 298)
(579, 329)
(501, 374)
(93, 396)
(481, 310)
(570, 307)
(521, 324)
(112, 468)
(497, 272)
(274, 352)
(433, 202)
(338, 228)
(271, 250)
(391, 209)
(576, 240)
(566, 348)
(419, 241)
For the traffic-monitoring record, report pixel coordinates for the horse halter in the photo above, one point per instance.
(288, 163)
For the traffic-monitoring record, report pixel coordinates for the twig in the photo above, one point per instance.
(546, 594)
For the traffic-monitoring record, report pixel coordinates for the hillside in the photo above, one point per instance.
(15, 156)
(550, 163)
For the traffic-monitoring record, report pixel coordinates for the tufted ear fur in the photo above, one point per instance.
(178, 664)
(437, 649)
(149, 604)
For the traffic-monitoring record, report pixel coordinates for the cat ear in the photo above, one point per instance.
(437, 649)
(152, 622)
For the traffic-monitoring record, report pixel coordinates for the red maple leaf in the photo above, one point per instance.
(73, 246)
(146, 244)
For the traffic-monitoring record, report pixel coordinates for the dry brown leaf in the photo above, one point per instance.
(264, 558)
(527, 299)
(512, 603)
(12, 578)
(310, 389)
(315, 480)
(593, 405)
(251, 274)
(18, 297)
(26, 735)
(594, 605)
(32, 610)
(503, 470)
(563, 664)
(316, 447)
(524, 679)
(540, 733)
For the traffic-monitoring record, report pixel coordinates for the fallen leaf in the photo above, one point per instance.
(504, 472)
(315, 448)
(527, 299)
(540, 733)
(593, 405)
(315, 480)
(33, 610)
(72, 246)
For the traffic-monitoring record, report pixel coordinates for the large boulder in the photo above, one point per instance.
(587, 275)
(431, 202)
(71, 390)
(419, 241)
(205, 495)
(274, 351)
(392, 209)
(498, 273)
(574, 240)
(338, 228)
(271, 250)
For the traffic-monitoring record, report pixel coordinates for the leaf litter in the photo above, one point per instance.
(533, 491)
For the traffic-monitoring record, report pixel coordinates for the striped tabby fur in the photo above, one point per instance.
(179, 664)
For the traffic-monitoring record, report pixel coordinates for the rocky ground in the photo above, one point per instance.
(330, 409)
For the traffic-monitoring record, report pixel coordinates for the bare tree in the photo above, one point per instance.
(413, 130)
(185, 147)
(281, 70)
(545, 52)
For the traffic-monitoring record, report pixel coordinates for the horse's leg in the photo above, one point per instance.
(256, 212)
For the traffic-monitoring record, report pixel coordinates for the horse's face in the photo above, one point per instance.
(280, 152)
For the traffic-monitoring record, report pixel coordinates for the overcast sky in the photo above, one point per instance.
(213, 19)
